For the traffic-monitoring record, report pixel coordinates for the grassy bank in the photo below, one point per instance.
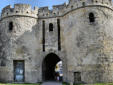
(91, 84)
(19, 84)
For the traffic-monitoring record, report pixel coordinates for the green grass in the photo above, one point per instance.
(19, 84)
(103, 84)
(64, 83)
(91, 84)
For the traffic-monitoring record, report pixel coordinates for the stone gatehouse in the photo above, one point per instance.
(80, 34)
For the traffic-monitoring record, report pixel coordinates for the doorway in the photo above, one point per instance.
(18, 70)
(49, 66)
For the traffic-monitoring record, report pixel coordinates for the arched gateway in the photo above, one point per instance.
(48, 67)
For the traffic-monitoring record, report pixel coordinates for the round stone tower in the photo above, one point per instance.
(17, 33)
(88, 40)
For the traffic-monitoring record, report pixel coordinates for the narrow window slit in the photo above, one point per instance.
(59, 40)
(91, 17)
(43, 34)
(10, 26)
(77, 77)
(50, 27)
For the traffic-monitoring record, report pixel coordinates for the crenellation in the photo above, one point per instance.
(58, 10)
(42, 9)
(59, 7)
(22, 7)
(20, 10)
(104, 2)
(6, 8)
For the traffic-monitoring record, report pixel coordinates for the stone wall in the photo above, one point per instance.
(88, 43)
(86, 47)
(19, 10)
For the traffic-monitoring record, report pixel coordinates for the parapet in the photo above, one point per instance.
(19, 10)
(59, 10)
(90, 2)
(56, 11)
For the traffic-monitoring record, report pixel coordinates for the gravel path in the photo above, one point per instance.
(52, 83)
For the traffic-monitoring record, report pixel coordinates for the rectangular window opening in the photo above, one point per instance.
(77, 77)
(18, 70)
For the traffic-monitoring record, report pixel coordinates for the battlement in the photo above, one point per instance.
(59, 10)
(19, 9)
(108, 2)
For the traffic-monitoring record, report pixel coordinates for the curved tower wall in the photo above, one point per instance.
(20, 43)
(89, 44)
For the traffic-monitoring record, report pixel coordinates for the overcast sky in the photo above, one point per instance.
(39, 3)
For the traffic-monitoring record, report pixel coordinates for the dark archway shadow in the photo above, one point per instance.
(48, 67)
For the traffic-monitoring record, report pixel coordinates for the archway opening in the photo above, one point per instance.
(49, 68)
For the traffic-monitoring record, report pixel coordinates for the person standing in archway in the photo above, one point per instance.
(57, 76)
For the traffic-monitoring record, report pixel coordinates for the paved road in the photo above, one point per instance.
(52, 83)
